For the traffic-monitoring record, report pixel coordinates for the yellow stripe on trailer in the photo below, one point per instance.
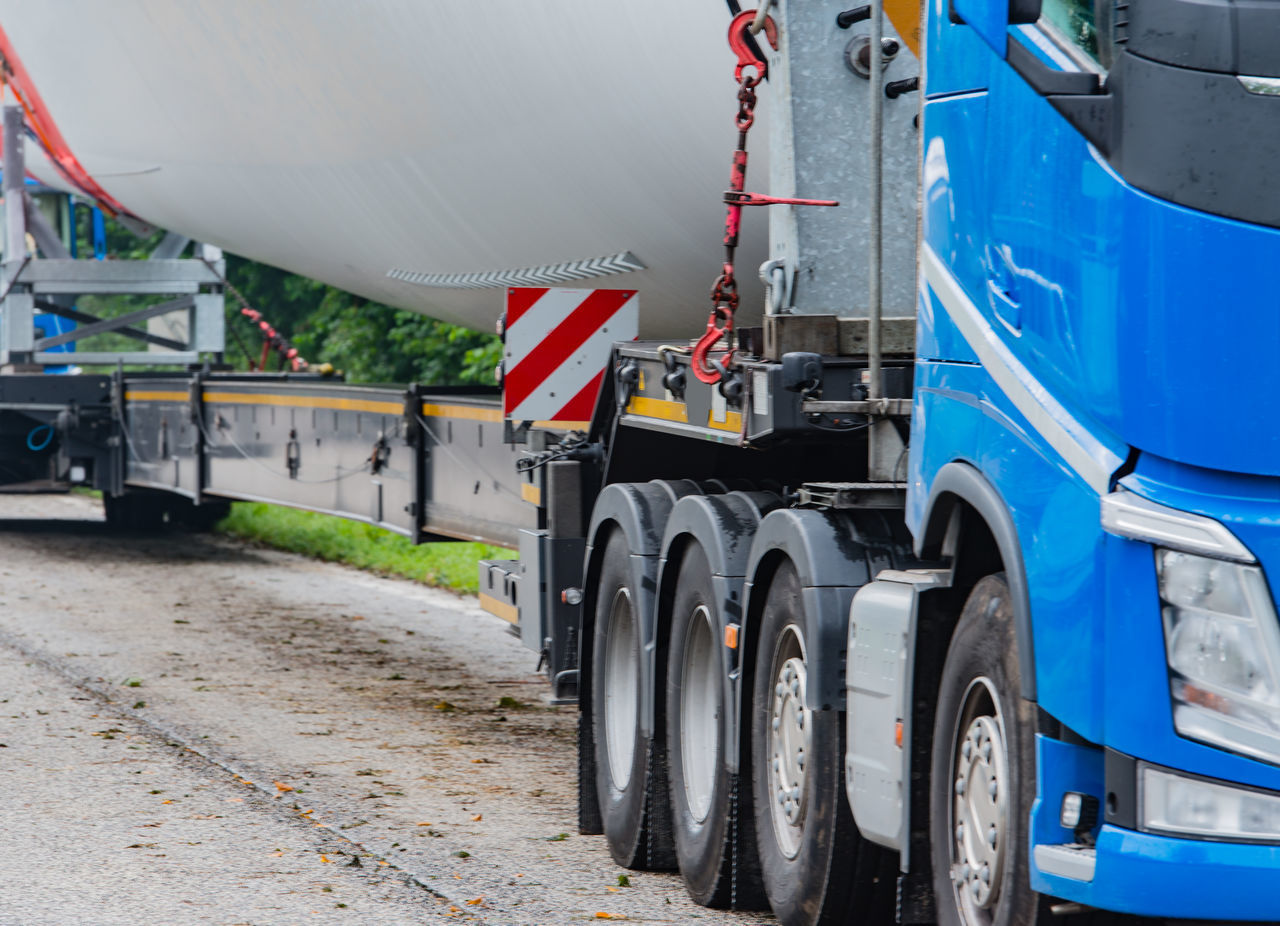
(661, 409)
(563, 425)
(302, 401)
(156, 395)
(466, 412)
(732, 422)
(508, 612)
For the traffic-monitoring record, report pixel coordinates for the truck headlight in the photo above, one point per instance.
(1222, 639)
(1185, 806)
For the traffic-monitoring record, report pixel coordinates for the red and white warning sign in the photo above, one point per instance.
(557, 348)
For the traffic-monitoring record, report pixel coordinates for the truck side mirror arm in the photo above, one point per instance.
(1081, 97)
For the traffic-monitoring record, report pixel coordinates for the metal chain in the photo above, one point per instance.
(724, 292)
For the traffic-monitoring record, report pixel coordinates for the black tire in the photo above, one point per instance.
(702, 790)
(822, 872)
(624, 785)
(197, 519)
(141, 512)
(979, 699)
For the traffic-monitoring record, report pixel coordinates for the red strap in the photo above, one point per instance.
(47, 130)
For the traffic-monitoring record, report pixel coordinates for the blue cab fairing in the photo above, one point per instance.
(1066, 317)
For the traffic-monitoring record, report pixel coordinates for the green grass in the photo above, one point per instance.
(444, 565)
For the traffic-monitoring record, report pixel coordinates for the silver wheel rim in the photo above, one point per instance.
(699, 714)
(621, 689)
(979, 807)
(790, 731)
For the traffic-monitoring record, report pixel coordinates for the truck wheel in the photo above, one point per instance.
(983, 771)
(621, 747)
(197, 518)
(815, 865)
(142, 512)
(700, 785)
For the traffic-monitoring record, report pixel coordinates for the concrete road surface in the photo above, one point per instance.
(194, 731)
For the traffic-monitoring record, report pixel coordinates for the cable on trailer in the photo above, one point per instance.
(32, 444)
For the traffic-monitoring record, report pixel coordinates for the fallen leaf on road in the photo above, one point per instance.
(445, 706)
(326, 859)
(170, 801)
(426, 824)
(281, 786)
(476, 902)
(477, 818)
(610, 916)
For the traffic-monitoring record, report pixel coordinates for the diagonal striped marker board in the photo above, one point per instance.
(557, 348)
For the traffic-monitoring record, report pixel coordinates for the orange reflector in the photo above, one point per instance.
(897, 734)
(731, 636)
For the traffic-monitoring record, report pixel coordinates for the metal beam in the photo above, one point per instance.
(171, 246)
(111, 358)
(85, 318)
(114, 324)
(15, 220)
(47, 239)
(92, 275)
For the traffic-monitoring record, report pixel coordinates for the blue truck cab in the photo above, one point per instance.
(1099, 261)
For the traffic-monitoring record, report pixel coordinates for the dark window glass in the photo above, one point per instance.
(1074, 21)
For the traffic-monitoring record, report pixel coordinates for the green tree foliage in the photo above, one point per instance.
(368, 341)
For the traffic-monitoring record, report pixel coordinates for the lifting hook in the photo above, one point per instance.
(740, 41)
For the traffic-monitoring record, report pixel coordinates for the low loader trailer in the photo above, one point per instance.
(939, 595)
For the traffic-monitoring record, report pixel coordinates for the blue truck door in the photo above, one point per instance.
(1051, 255)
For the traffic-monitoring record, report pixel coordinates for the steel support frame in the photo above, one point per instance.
(27, 283)
(830, 131)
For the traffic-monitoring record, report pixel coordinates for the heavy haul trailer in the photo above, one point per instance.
(944, 597)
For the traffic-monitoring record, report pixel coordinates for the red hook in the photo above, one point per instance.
(741, 45)
(719, 327)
